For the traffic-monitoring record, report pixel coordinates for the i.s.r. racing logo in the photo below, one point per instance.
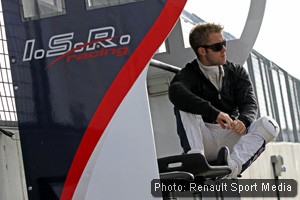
(101, 42)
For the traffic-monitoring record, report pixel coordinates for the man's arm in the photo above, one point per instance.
(181, 95)
(246, 99)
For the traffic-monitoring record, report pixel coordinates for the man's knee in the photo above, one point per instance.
(268, 128)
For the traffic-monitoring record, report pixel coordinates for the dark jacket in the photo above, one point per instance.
(192, 92)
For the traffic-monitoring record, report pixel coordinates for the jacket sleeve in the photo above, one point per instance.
(181, 95)
(245, 98)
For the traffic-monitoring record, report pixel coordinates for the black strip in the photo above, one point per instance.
(181, 132)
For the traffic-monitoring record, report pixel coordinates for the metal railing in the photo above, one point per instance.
(8, 115)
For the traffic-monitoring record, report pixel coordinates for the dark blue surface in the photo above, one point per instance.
(55, 103)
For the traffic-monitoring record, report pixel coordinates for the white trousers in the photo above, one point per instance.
(208, 138)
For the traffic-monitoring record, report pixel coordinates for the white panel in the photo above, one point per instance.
(124, 161)
(164, 124)
(239, 50)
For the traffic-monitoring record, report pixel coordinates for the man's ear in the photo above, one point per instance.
(201, 51)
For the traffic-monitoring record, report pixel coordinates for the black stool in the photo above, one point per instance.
(188, 167)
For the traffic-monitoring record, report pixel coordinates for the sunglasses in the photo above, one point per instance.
(215, 47)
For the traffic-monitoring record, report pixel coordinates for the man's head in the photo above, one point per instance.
(208, 43)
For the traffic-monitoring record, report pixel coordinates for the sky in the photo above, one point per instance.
(278, 39)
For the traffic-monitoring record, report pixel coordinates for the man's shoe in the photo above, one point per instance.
(225, 159)
(223, 156)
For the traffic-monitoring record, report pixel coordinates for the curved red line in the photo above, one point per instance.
(117, 91)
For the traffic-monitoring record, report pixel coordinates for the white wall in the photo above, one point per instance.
(12, 180)
(262, 167)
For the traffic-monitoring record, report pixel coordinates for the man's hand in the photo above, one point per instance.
(238, 127)
(224, 120)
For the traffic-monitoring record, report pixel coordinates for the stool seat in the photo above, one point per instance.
(177, 175)
(194, 163)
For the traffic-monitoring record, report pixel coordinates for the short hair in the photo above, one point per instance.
(199, 35)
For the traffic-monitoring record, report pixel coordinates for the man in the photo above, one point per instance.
(215, 105)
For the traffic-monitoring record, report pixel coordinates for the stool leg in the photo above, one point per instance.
(197, 196)
(170, 196)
